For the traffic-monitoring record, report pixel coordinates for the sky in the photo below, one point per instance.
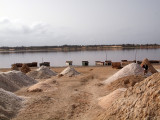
(79, 22)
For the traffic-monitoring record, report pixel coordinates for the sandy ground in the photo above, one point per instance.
(69, 98)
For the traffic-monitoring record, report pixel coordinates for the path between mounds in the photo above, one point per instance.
(75, 98)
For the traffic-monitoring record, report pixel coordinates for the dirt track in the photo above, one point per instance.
(72, 98)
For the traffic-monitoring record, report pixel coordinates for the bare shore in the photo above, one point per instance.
(70, 98)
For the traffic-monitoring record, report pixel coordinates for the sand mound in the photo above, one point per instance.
(124, 82)
(25, 68)
(131, 69)
(70, 71)
(140, 102)
(42, 73)
(39, 87)
(150, 67)
(14, 80)
(9, 104)
(44, 86)
(106, 101)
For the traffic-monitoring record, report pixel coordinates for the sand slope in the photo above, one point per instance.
(14, 80)
(139, 102)
(106, 101)
(9, 104)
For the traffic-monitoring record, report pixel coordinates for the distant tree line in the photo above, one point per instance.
(79, 47)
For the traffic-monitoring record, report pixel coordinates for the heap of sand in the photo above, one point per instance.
(42, 73)
(9, 104)
(69, 71)
(140, 102)
(125, 82)
(131, 69)
(106, 101)
(44, 86)
(14, 80)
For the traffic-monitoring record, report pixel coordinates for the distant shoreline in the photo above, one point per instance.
(70, 48)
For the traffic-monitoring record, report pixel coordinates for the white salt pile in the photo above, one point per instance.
(69, 71)
(9, 104)
(42, 73)
(47, 70)
(106, 101)
(14, 80)
(131, 69)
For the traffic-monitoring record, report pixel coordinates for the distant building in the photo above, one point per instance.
(44, 64)
(68, 63)
(99, 63)
(85, 63)
(108, 62)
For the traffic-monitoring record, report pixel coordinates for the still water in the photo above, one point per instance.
(59, 58)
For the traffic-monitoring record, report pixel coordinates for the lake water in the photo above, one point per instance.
(59, 58)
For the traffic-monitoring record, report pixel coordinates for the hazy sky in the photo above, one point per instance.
(59, 22)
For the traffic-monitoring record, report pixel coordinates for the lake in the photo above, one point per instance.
(59, 58)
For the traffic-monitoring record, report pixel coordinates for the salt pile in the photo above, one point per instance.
(70, 71)
(14, 80)
(42, 73)
(131, 69)
(106, 101)
(46, 70)
(9, 104)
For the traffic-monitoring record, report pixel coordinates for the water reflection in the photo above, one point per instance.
(59, 58)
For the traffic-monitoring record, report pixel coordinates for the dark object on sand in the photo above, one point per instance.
(25, 68)
(45, 64)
